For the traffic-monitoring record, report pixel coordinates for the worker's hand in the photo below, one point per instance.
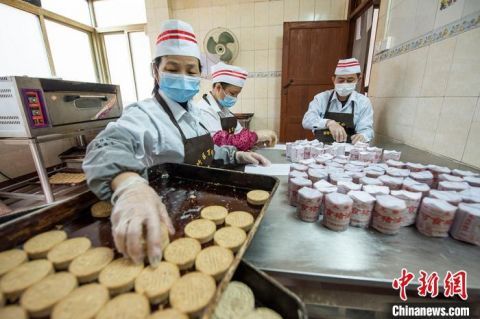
(136, 219)
(266, 138)
(251, 158)
(358, 138)
(337, 131)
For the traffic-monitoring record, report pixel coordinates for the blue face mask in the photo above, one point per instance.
(228, 100)
(180, 88)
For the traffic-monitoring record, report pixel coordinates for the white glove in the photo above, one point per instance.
(266, 138)
(251, 158)
(138, 208)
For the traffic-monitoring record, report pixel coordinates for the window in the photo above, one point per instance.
(74, 9)
(141, 64)
(71, 52)
(110, 13)
(25, 53)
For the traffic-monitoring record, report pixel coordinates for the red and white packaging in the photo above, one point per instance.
(335, 178)
(394, 183)
(329, 149)
(466, 225)
(370, 181)
(362, 208)
(388, 214)
(288, 149)
(462, 173)
(472, 181)
(353, 168)
(358, 163)
(374, 172)
(398, 172)
(309, 203)
(338, 149)
(340, 160)
(295, 174)
(412, 185)
(306, 152)
(316, 166)
(297, 154)
(435, 217)
(298, 167)
(412, 200)
(307, 161)
(376, 190)
(361, 145)
(391, 154)
(366, 156)
(317, 174)
(415, 167)
(316, 151)
(338, 209)
(396, 164)
(452, 198)
(324, 158)
(294, 185)
(449, 178)
(422, 177)
(436, 171)
(470, 195)
(325, 188)
(377, 153)
(333, 164)
(356, 176)
(344, 187)
(453, 186)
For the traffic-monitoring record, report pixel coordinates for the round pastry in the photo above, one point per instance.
(13, 312)
(240, 219)
(14, 282)
(2, 299)
(216, 214)
(88, 265)
(201, 230)
(191, 293)
(83, 303)
(101, 209)
(168, 314)
(164, 236)
(62, 254)
(257, 197)
(155, 283)
(129, 305)
(214, 261)
(182, 252)
(10, 259)
(40, 245)
(119, 276)
(230, 237)
(237, 301)
(263, 313)
(40, 298)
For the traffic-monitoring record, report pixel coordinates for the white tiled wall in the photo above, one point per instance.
(429, 97)
(258, 25)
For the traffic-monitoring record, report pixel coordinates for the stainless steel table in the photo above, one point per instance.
(352, 269)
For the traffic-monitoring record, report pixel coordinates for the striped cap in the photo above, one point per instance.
(177, 38)
(230, 74)
(348, 66)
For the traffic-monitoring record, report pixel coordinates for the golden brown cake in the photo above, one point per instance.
(130, 305)
(82, 303)
(168, 314)
(215, 213)
(39, 245)
(155, 283)
(237, 301)
(201, 230)
(263, 313)
(67, 178)
(230, 237)
(13, 312)
(182, 252)
(214, 261)
(102, 209)
(88, 265)
(119, 276)
(240, 219)
(257, 197)
(191, 293)
(10, 259)
(62, 254)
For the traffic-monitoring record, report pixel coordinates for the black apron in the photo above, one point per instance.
(344, 119)
(199, 150)
(229, 123)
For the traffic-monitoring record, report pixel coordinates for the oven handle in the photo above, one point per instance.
(72, 98)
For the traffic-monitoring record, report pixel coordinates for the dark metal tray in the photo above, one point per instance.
(185, 189)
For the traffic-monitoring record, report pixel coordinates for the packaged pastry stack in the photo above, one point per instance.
(307, 161)
(344, 187)
(414, 186)
(377, 153)
(436, 171)
(338, 209)
(336, 177)
(325, 188)
(370, 181)
(314, 165)
(425, 177)
(398, 172)
(294, 186)
(353, 168)
(391, 154)
(462, 173)
(453, 198)
(395, 164)
(295, 174)
(356, 176)
(376, 190)
(309, 202)
(435, 217)
(325, 158)
(317, 174)
(298, 167)
(340, 160)
(412, 201)
(388, 213)
(288, 149)
(394, 183)
(472, 181)
(415, 167)
(362, 207)
(471, 195)
(297, 153)
(466, 225)
(449, 178)
(374, 171)
(453, 186)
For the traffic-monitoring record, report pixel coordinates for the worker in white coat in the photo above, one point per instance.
(341, 114)
(228, 81)
(165, 128)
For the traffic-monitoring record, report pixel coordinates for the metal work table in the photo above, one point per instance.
(353, 269)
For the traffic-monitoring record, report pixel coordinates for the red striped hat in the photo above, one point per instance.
(177, 38)
(348, 66)
(230, 74)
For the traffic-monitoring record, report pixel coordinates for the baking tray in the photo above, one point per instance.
(269, 293)
(185, 189)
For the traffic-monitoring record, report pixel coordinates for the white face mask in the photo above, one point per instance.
(345, 89)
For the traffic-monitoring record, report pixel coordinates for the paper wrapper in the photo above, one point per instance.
(298, 167)
(378, 153)
(412, 200)
(324, 158)
(338, 149)
(415, 167)
(396, 164)
(374, 173)
(391, 154)
(356, 176)
(462, 173)
(422, 177)
(340, 160)
(436, 171)
(376, 190)
(471, 195)
(453, 186)
(388, 214)
(362, 208)
(317, 174)
(414, 186)
(366, 156)
(449, 178)
(294, 185)
(370, 181)
(450, 197)
(325, 188)
(336, 177)
(394, 183)
(344, 187)
(338, 209)
(309, 203)
(297, 154)
(435, 217)
(295, 174)
(466, 225)
(472, 181)
(398, 172)
(288, 149)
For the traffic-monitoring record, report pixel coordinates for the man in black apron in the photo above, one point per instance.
(342, 114)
